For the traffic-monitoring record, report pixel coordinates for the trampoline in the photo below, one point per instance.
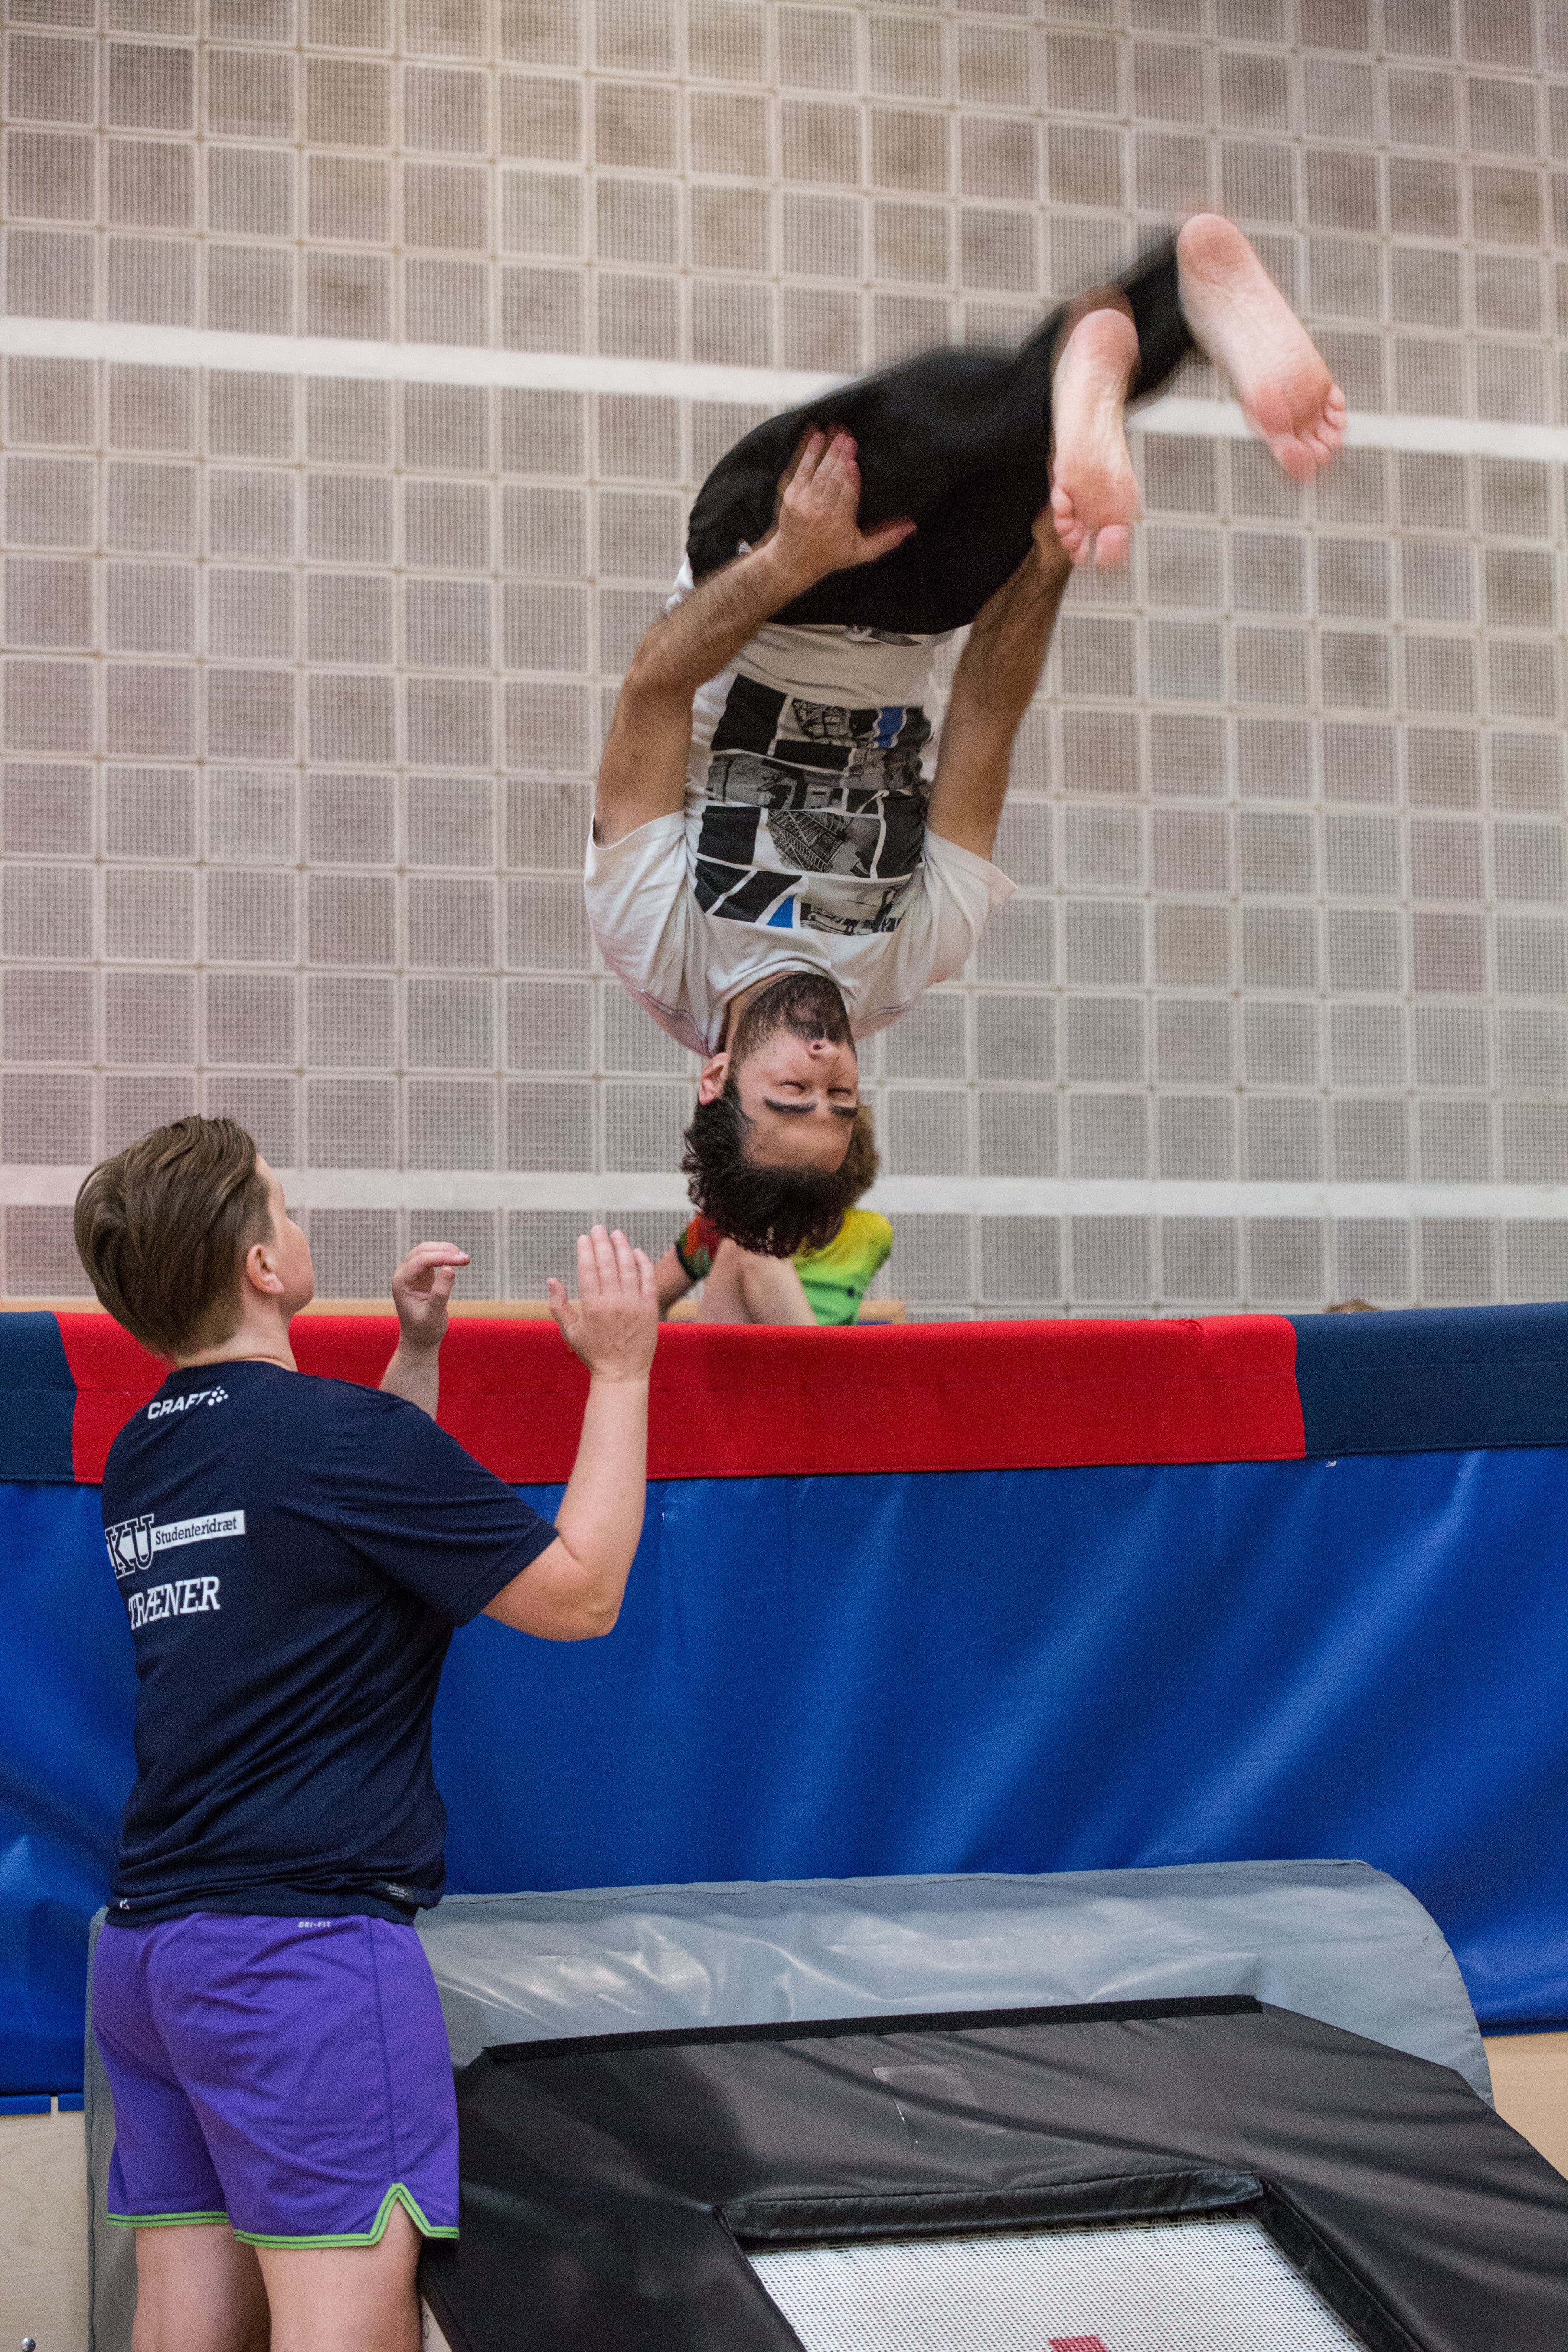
(1117, 2177)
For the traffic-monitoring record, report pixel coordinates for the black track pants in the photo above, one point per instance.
(958, 439)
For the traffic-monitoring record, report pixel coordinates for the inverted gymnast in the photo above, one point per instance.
(771, 873)
(294, 1555)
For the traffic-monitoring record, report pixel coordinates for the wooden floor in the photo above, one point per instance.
(1529, 2083)
(43, 2190)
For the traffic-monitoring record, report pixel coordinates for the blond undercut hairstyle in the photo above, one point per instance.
(161, 1229)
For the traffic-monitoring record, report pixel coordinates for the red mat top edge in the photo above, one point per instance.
(735, 1402)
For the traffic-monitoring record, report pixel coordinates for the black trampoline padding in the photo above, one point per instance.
(610, 2188)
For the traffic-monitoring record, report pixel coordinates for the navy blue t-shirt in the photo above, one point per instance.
(293, 1555)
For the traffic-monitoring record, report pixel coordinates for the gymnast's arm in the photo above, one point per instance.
(643, 773)
(993, 686)
(573, 1592)
(671, 1280)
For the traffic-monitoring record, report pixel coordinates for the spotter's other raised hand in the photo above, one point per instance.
(420, 1289)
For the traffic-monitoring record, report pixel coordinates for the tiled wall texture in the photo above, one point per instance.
(304, 677)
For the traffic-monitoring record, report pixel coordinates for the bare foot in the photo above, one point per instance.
(1241, 320)
(1094, 491)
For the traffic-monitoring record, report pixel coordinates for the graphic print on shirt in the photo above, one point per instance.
(190, 1596)
(133, 1543)
(814, 813)
(162, 1405)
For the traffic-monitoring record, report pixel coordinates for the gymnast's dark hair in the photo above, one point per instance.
(773, 1210)
(161, 1229)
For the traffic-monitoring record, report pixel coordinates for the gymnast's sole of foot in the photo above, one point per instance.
(1094, 490)
(1239, 319)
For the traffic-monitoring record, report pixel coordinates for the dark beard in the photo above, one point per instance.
(806, 1004)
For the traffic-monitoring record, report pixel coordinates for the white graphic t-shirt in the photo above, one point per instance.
(803, 845)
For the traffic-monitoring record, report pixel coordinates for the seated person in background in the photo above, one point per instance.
(773, 871)
(814, 1285)
(294, 1556)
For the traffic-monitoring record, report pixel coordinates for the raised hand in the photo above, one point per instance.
(818, 529)
(613, 1324)
(420, 1289)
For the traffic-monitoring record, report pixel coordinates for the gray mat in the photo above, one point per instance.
(1334, 1941)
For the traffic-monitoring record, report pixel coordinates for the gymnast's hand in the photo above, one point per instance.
(420, 1289)
(613, 1322)
(817, 531)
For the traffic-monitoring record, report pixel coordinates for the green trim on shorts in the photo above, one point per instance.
(395, 2195)
(161, 2220)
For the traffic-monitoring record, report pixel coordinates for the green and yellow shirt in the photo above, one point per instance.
(834, 1279)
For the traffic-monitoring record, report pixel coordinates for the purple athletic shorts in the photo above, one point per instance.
(288, 2076)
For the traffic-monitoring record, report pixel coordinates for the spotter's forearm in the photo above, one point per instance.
(414, 1374)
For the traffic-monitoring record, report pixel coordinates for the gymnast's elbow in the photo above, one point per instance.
(652, 676)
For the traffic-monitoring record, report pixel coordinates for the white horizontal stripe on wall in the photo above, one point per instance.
(315, 355)
(982, 1196)
(1464, 437)
(320, 355)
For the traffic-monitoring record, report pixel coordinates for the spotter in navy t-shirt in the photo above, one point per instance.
(294, 1555)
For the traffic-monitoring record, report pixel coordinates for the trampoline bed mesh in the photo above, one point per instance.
(1187, 2286)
